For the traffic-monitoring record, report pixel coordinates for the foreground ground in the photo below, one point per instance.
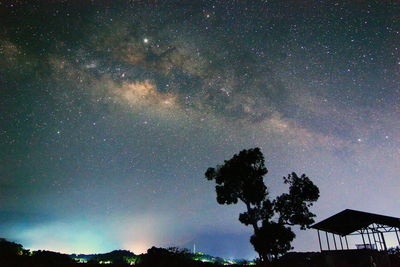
(14, 255)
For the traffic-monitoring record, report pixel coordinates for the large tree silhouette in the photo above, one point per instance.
(241, 178)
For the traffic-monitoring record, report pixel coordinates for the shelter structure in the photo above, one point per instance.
(371, 227)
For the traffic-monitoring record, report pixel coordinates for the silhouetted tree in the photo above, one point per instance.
(11, 249)
(44, 257)
(241, 178)
(166, 257)
(115, 256)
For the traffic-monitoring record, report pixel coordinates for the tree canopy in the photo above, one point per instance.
(242, 178)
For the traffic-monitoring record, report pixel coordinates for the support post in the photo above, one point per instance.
(362, 235)
(341, 243)
(369, 239)
(327, 240)
(384, 242)
(319, 240)
(380, 241)
(397, 235)
(334, 240)
(373, 235)
(347, 243)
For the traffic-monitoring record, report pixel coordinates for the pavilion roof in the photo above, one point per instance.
(349, 221)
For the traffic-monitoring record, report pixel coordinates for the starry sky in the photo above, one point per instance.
(110, 113)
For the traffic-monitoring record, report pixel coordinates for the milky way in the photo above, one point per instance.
(110, 115)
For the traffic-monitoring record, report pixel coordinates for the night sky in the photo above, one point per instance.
(111, 112)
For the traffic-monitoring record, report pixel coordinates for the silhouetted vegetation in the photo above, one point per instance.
(45, 257)
(116, 256)
(241, 178)
(394, 255)
(166, 257)
(10, 249)
(14, 255)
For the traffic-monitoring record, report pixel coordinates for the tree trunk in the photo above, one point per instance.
(255, 228)
(254, 224)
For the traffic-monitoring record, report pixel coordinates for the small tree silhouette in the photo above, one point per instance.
(241, 178)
